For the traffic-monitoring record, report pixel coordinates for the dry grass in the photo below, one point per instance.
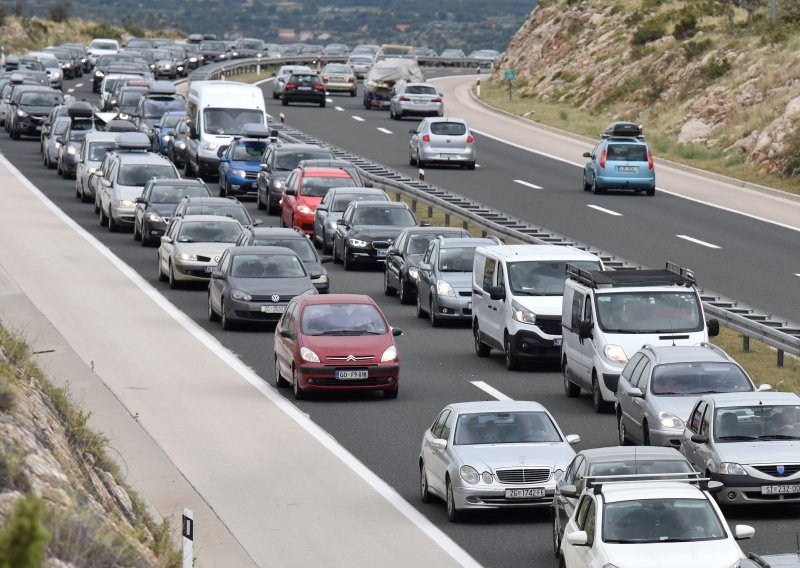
(760, 362)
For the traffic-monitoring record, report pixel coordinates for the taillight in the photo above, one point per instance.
(319, 87)
(649, 160)
(291, 85)
(351, 79)
(470, 139)
(603, 159)
(403, 99)
(426, 138)
(324, 79)
(436, 100)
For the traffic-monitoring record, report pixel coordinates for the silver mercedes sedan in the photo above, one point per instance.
(492, 455)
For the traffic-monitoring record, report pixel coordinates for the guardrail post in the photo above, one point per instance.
(478, 86)
(430, 211)
(283, 118)
(187, 531)
(397, 195)
(745, 343)
(447, 219)
(414, 205)
(780, 357)
(484, 234)
(465, 224)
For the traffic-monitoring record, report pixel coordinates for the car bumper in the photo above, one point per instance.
(369, 255)
(340, 87)
(208, 166)
(303, 98)
(454, 307)
(531, 345)
(153, 230)
(323, 377)
(123, 215)
(323, 285)
(746, 490)
(28, 128)
(612, 182)
(305, 222)
(193, 271)
(238, 310)
(420, 110)
(670, 438)
(240, 185)
(433, 155)
(494, 497)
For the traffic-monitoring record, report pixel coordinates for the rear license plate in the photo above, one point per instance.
(208, 269)
(360, 374)
(627, 168)
(778, 489)
(273, 309)
(525, 493)
(303, 88)
(380, 252)
(557, 342)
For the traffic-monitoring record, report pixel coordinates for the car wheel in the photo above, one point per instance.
(406, 292)
(77, 189)
(84, 198)
(223, 192)
(353, 93)
(595, 188)
(137, 234)
(284, 102)
(271, 209)
(59, 171)
(326, 248)
(388, 290)
(348, 264)
(212, 315)
(556, 538)
(512, 362)
(420, 312)
(113, 227)
(623, 436)
(424, 494)
(259, 204)
(651, 191)
(297, 391)
(96, 206)
(645, 434)
(570, 389)
(412, 161)
(453, 514)
(187, 168)
(391, 393)
(322, 103)
(14, 134)
(161, 277)
(435, 320)
(227, 324)
(174, 284)
(598, 403)
(103, 218)
(481, 349)
(280, 382)
(471, 166)
(586, 186)
(275, 96)
(420, 163)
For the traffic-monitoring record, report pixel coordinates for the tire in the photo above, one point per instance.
(406, 295)
(212, 315)
(326, 249)
(161, 276)
(556, 538)
(391, 393)
(424, 494)
(347, 264)
(336, 259)
(275, 96)
(223, 192)
(187, 168)
(600, 406)
(271, 209)
(453, 514)
(586, 186)
(353, 93)
(651, 192)
(645, 434)
(511, 360)
(77, 189)
(388, 290)
(113, 227)
(284, 102)
(84, 198)
(420, 312)
(137, 234)
(471, 166)
(299, 393)
(420, 163)
(481, 349)
(570, 389)
(595, 189)
(621, 434)
(103, 218)
(280, 382)
(259, 204)
(435, 320)
(227, 324)
(412, 161)
(14, 135)
(173, 283)
(96, 206)
(322, 104)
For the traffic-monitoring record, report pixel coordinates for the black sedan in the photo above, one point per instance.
(156, 204)
(303, 88)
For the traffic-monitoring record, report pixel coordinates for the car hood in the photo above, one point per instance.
(359, 345)
(280, 175)
(126, 191)
(458, 280)
(376, 232)
(245, 165)
(35, 109)
(541, 305)
(213, 250)
(263, 286)
(705, 554)
(314, 268)
(680, 406)
(162, 208)
(761, 451)
(555, 455)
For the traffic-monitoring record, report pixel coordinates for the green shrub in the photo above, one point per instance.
(24, 538)
(104, 29)
(693, 49)
(715, 69)
(649, 30)
(686, 25)
(7, 395)
(634, 18)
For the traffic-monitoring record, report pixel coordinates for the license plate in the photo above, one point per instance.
(380, 252)
(208, 269)
(557, 342)
(469, 305)
(360, 374)
(303, 88)
(777, 489)
(525, 493)
(273, 309)
(627, 168)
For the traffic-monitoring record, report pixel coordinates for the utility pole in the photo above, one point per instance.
(773, 11)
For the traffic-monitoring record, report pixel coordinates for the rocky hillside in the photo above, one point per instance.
(701, 74)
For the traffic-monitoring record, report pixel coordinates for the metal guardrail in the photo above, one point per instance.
(751, 322)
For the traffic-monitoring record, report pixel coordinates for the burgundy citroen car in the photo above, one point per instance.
(336, 342)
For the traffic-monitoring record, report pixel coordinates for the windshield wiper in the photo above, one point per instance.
(778, 437)
(337, 332)
(737, 438)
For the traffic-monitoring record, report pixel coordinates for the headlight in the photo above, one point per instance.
(389, 355)
(730, 468)
(487, 477)
(92, 170)
(469, 474)
(522, 314)
(320, 279)
(278, 184)
(239, 173)
(241, 296)
(166, 137)
(670, 420)
(558, 474)
(187, 256)
(182, 145)
(357, 243)
(308, 355)
(443, 288)
(615, 354)
(154, 218)
(167, 66)
(126, 203)
(413, 272)
(72, 150)
(22, 113)
(57, 145)
(332, 224)
(99, 74)
(67, 64)
(123, 116)
(210, 146)
(305, 210)
(192, 60)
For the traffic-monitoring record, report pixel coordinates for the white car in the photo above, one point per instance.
(102, 46)
(283, 75)
(658, 524)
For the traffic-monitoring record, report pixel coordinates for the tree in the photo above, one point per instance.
(19, 10)
(24, 538)
(59, 11)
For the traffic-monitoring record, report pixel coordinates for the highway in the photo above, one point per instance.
(439, 366)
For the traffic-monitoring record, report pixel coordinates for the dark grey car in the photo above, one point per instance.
(276, 165)
(155, 206)
(332, 208)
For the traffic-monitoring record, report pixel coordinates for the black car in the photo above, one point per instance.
(332, 208)
(249, 47)
(296, 240)
(127, 102)
(82, 120)
(303, 88)
(278, 162)
(403, 257)
(213, 51)
(155, 206)
(70, 66)
(222, 206)
(176, 148)
(29, 108)
(101, 67)
(367, 230)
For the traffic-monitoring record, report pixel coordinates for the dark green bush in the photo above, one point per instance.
(649, 30)
(715, 69)
(694, 49)
(686, 26)
(24, 538)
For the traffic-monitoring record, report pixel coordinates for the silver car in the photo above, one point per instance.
(442, 141)
(94, 148)
(283, 75)
(750, 442)
(415, 99)
(339, 78)
(659, 386)
(192, 246)
(493, 454)
(360, 64)
(52, 142)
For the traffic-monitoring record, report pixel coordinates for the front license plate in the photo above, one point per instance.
(525, 493)
(557, 342)
(627, 168)
(469, 305)
(273, 309)
(777, 489)
(360, 374)
(380, 252)
(208, 269)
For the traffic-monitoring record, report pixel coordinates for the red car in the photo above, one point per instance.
(304, 190)
(336, 342)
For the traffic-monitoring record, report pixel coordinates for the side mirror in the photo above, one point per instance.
(222, 149)
(698, 439)
(425, 223)
(217, 274)
(587, 155)
(223, 158)
(341, 222)
(424, 266)
(573, 439)
(141, 200)
(635, 392)
(396, 332)
(192, 131)
(440, 444)
(743, 532)
(764, 387)
(60, 139)
(98, 173)
(263, 167)
(166, 240)
(325, 258)
(257, 222)
(322, 207)
(289, 191)
(578, 538)
(585, 329)
(497, 292)
(569, 491)
(286, 333)
(713, 327)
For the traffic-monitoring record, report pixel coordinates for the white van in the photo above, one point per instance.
(218, 111)
(609, 315)
(516, 299)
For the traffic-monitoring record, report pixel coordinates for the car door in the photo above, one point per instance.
(288, 346)
(320, 216)
(288, 201)
(107, 187)
(572, 344)
(441, 459)
(429, 452)
(564, 506)
(425, 281)
(394, 261)
(217, 286)
(587, 351)
(633, 409)
(583, 520)
(166, 248)
(693, 426)
(282, 351)
(415, 135)
(624, 386)
(138, 212)
(589, 171)
(485, 267)
(341, 231)
(705, 459)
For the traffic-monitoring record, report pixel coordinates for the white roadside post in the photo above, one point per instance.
(187, 529)
(421, 174)
(258, 67)
(283, 118)
(478, 87)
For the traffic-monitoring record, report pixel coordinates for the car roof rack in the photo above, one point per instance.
(80, 109)
(255, 130)
(671, 275)
(622, 129)
(133, 141)
(161, 88)
(597, 482)
(119, 125)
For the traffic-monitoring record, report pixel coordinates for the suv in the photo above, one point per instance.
(160, 98)
(303, 88)
(29, 108)
(516, 299)
(222, 206)
(659, 386)
(155, 206)
(278, 162)
(621, 160)
(415, 99)
(609, 315)
(239, 161)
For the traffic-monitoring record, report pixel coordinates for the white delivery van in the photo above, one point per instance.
(609, 315)
(218, 111)
(516, 299)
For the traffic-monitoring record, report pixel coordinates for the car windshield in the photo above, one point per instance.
(170, 120)
(640, 466)
(761, 422)
(649, 312)
(249, 151)
(162, 54)
(83, 124)
(154, 108)
(98, 150)
(660, 520)
(626, 153)
(319, 186)
(505, 428)
(341, 201)
(418, 243)
(387, 216)
(238, 212)
(41, 99)
(302, 246)
(342, 319)
(448, 128)
(337, 69)
(173, 194)
(687, 379)
(209, 232)
(249, 45)
(61, 126)
(131, 98)
(287, 161)
(212, 46)
(266, 266)
(457, 259)
(360, 59)
(102, 45)
(420, 90)
(230, 120)
(543, 278)
(138, 174)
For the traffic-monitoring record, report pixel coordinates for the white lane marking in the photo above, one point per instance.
(209, 342)
(386, 131)
(604, 210)
(528, 184)
(339, 108)
(491, 390)
(358, 118)
(264, 81)
(328, 100)
(797, 274)
(70, 90)
(79, 85)
(477, 165)
(697, 241)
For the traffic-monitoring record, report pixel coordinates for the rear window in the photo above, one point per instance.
(341, 202)
(420, 90)
(627, 153)
(288, 161)
(338, 69)
(138, 174)
(301, 246)
(319, 186)
(305, 79)
(450, 128)
(249, 151)
(170, 194)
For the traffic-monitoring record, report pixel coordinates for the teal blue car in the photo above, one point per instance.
(620, 161)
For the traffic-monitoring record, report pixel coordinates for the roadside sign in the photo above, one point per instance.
(509, 74)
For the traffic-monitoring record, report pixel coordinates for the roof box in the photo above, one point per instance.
(255, 130)
(17, 79)
(623, 130)
(80, 109)
(117, 125)
(133, 141)
(161, 88)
